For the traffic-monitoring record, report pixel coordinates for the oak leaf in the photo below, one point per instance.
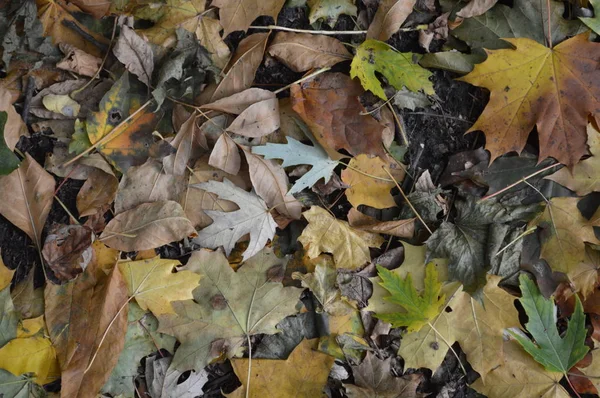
(154, 285)
(400, 69)
(534, 86)
(584, 177)
(239, 14)
(324, 233)
(303, 51)
(252, 218)
(369, 183)
(329, 105)
(389, 17)
(303, 374)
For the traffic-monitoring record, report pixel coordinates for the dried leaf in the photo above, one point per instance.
(187, 144)
(476, 8)
(225, 155)
(302, 51)
(238, 102)
(239, 14)
(399, 228)
(172, 15)
(31, 355)
(259, 119)
(164, 384)
(147, 226)
(98, 191)
(208, 33)
(135, 53)
(68, 251)
(389, 17)
(78, 61)
(330, 10)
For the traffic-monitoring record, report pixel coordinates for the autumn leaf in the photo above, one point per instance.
(239, 14)
(537, 84)
(8, 160)
(252, 218)
(14, 127)
(400, 69)
(166, 385)
(476, 8)
(369, 183)
(303, 374)
(228, 305)
(420, 308)
(237, 103)
(399, 228)
(389, 17)
(324, 233)
(33, 354)
(302, 51)
(226, 155)
(330, 10)
(135, 53)
(584, 177)
(98, 190)
(555, 353)
(17, 386)
(68, 250)
(592, 22)
(259, 119)
(154, 285)
(188, 146)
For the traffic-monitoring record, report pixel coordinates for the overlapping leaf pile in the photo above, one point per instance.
(227, 236)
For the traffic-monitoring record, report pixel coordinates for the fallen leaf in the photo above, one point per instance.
(31, 355)
(252, 218)
(228, 305)
(592, 22)
(520, 375)
(27, 299)
(536, 82)
(19, 386)
(259, 119)
(68, 250)
(238, 102)
(8, 160)
(322, 282)
(563, 233)
(329, 105)
(374, 378)
(303, 374)
(142, 339)
(99, 190)
(135, 53)
(78, 61)
(163, 384)
(154, 285)
(324, 233)
(173, 15)
(97, 9)
(583, 177)
(303, 51)
(208, 33)
(239, 14)
(330, 10)
(592, 369)
(26, 196)
(187, 144)
(62, 104)
(369, 183)
(476, 8)
(87, 321)
(555, 353)
(389, 17)
(14, 127)
(399, 228)
(271, 183)
(226, 155)
(400, 69)
(147, 226)
(146, 184)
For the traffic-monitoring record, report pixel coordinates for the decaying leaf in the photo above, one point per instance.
(399, 228)
(330, 10)
(99, 190)
(68, 250)
(390, 15)
(259, 119)
(476, 8)
(302, 375)
(324, 233)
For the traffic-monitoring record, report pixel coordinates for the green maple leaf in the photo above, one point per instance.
(400, 69)
(420, 308)
(555, 353)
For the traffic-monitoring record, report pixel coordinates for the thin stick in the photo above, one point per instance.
(314, 32)
(365, 174)
(400, 125)
(449, 346)
(302, 79)
(514, 184)
(66, 209)
(407, 201)
(530, 230)
(112, 134)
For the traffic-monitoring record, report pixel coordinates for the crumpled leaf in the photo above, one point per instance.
(303, 51)
(26, 196)
(324, 233)
(420, 308)
(584, 177)
(465, 241)
(303, 374)
(154, 284)
(389, 17)
(374, 378)
(536, 82)
(68, 250)
(366, 190)
(400, 69)
(295, 153)
(252, 218)
(228, 305)
(330, 10)
(147, 226)
(62, 104)
(555, 353)
(141, 340)
(163, 385)
(329, 105)
(8, 160)
(322, 284)
(239, 14)
(135, 53)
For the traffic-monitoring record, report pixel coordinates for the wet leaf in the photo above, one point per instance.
(135, 53)
(389, 17)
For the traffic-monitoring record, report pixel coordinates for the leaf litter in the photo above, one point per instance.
(276, 198)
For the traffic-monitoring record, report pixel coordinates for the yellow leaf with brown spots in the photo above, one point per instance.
(554, 90)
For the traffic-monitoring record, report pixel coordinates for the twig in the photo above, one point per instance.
(27, 100)
(60, 202)
(318, 72)
(442, 116)
(449, 346)
(400, 125)
(73, 26)
(314, 32)
(514, 184)
(408, 201)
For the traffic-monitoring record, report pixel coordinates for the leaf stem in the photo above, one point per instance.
(365, 174)
(522, 235)
(571, 385)
(449, 346)
(314, 32)
(318, 72)
(514, 184)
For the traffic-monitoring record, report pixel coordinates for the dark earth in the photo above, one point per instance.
(434, 133)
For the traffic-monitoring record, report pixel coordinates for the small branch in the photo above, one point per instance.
(530, 230)
(314, 32)
(249, 366)
(60, 202)
(318, 72)
(519, 182)
(400, 125)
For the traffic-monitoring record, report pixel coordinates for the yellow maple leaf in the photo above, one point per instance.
(5, 274)
(324, 233)
(33, 354)
(154, 284)
(554, 89)
(369, 184)
(303, 374)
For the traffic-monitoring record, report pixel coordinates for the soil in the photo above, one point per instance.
(434, 134)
